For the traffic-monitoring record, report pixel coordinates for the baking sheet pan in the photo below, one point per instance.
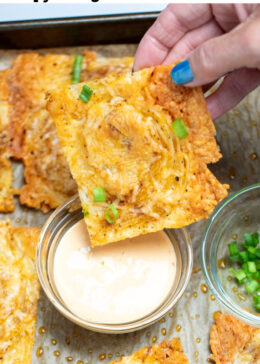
(62, 341)
(124, 28)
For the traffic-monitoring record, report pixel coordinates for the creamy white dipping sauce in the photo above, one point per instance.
(116, 283)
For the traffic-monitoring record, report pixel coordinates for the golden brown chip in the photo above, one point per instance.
(234, 342)
(100, 67)
(168, 352)
(6, 175)
(19, 292)
(122, 140)
(34, 138)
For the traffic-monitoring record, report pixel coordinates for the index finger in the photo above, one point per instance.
(171, 25)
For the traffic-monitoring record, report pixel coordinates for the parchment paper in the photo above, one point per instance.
(62, 341)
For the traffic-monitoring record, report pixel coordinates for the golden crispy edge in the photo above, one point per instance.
(63, 107)
(25, 81)
(20, 350)
(166, 352)
(39, 195)
(228, 337)
(190, 105)
(6, 182)
(23, 92)
(6, 174)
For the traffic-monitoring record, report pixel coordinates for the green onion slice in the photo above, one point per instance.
(256, 300)
(257, 262)
(76, 72)
(244, 256)
(233, 248)
(99, 194)
(257, 252)
(111, 214)
(248, 238)
(246, 270)
(179, 128)
(249, 260)
(255, 238)
(240, 275)
(235, 257)
(251, 267)
(252, 286)
(257, 275)
(252, 251)
(86, 93)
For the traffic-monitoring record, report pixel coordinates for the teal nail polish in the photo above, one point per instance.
(182, 73)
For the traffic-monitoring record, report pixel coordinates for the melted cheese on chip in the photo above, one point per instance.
(6, 175)
(19, 291)
(122, 140)
(164, 353)
(33, 135)
(234, 342)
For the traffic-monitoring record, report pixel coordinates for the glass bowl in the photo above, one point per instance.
(59, 222)
(238, 214)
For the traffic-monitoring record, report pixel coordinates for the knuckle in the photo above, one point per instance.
(206, 63)
(250, 42)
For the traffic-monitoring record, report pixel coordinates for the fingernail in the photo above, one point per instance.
(182, 73)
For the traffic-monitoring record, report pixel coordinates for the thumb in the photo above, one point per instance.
(218, 56)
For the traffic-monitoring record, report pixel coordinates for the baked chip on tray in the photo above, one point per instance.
(167, 352)
(6, 174)
(234, 342)
(122, 141)
(33, 135)
(19, 292)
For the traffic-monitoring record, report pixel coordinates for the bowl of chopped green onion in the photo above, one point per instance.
(230, 254)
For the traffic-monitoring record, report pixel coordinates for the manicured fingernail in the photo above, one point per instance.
(182, 73)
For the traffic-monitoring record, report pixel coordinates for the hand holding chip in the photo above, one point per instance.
(212, 40)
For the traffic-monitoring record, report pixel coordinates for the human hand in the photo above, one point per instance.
(214, 40)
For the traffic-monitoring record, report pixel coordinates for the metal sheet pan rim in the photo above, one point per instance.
(43, 23)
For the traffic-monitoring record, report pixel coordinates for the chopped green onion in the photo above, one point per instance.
(257, 263)
(247, 256)
(232, 270)
(99, 194)
(85, 213)
(233, 248)
(240, 275)
(235, 257)
(179, 128)
(255, 238)
(111, 210)
(244, 256)
(256, 301)
(77, 69)
(257, 252)
(257, 275)
(248, 239)
(86, 93)
(251, 240)
(246, 270)
(251, 252)
(251, 267)
(252, 286)
(251, 249)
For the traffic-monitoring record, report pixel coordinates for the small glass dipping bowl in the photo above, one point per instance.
(55, 227)
(238, 214)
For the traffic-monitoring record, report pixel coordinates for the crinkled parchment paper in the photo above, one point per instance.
(238, 134)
